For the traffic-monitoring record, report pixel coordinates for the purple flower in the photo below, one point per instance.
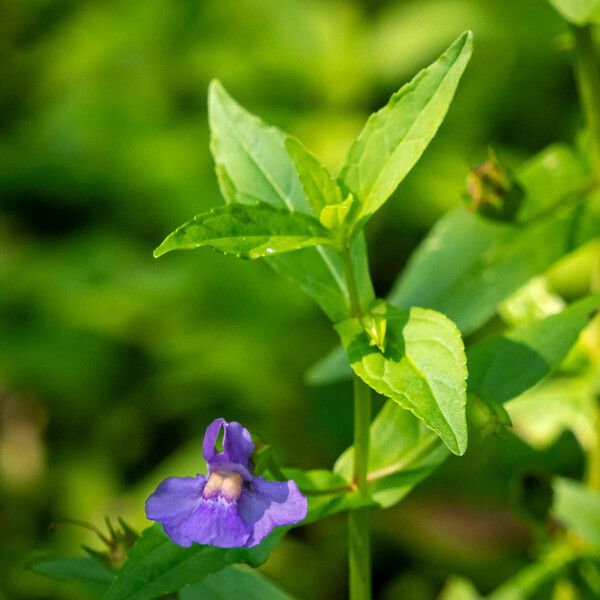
(230, 507)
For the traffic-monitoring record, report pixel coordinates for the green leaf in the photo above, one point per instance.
(423, 368)
(249, 231)
(467, 265)
(578, 509)
(578, 12)
(84, 570)
(320, 187)
(402, 452)
(394, 138)
(234, 582)
(504, 366)
(156, 566)
(252, 164)
(542, 413)
(549, 177)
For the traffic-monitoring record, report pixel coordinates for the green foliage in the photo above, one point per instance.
(504, 366)
(559, 404)
(320, 187)
(249, 231)
(395, 137)
(252, 164)
(230, 582)
(101, 124)
(156, 566)
(402, 452)
(422, 369)
(578, 509)
(578, 12)
(452, 269)
(88, 572)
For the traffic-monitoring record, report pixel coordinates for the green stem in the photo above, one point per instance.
(359, 542)
(587, 75)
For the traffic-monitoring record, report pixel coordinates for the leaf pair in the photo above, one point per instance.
(258, 165)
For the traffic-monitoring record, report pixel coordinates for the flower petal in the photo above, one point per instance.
(265, 504)
(174, 501)
(216, 522)
(237, 443)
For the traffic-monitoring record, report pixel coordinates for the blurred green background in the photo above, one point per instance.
(112, 363)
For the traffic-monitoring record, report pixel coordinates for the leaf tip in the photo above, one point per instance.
(160, 250)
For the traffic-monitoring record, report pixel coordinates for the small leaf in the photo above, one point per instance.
(234, 582)
(394, 138)
(320, 187)
(423, 368)
(249, 231)
(504, 366)
(578, 509)
(334, 216)
(578, 12)
(95, 577)
(402, 452)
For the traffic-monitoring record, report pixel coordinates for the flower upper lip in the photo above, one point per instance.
(247, 507)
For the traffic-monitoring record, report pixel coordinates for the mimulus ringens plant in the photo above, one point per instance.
(229, 508)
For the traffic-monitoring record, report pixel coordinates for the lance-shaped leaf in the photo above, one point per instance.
(423, 368)
(394, 138)
(252, 163)
(320, 187)
(248, 230)
(467, 265)
(156, 566)
(88, 572)
(504, 366)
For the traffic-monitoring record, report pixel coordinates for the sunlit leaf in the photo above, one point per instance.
(320, 187)
(252, 164)
(394, 138)
(542, 413)
(422, 369)
(468, 265)
(249, 231)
